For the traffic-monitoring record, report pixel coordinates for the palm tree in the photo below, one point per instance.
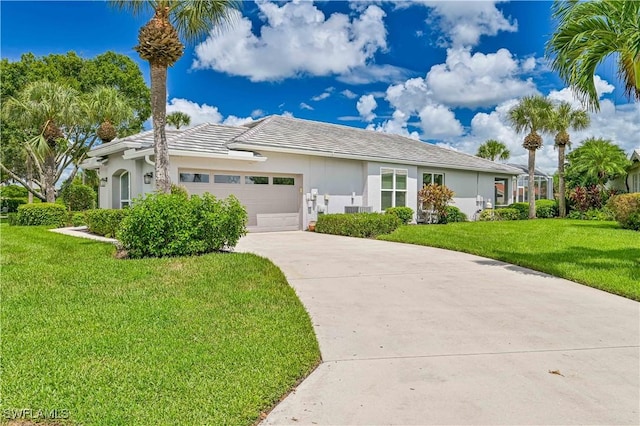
(493, 150)
(587, 33)
(532, 114)
(598, 160)
(159, 43)
(564, 118)
(178, 119)
(106, 106)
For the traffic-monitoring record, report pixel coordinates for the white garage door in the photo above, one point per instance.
(272, 200)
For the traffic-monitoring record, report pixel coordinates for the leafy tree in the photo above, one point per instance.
(159, 43)
(563, 118)
(493, 150)
(106, 106)
(178, 119)
(532, 114)
(589, 32)
(597, 160)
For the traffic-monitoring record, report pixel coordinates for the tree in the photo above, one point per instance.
(178, 119)
(598, 160)
(107, 107)
(493, 150)
(589, 32)
(532, 114)
(563, 118)
(159, 43)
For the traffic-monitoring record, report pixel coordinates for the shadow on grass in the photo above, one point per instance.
(595, 224)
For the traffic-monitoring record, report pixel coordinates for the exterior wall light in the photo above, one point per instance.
(148, 177)
(103, 182)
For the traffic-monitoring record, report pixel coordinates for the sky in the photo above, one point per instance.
(444, 72)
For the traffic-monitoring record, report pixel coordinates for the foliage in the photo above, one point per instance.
(11, 204)
(405, 214)
(144, 342)
(454, 214)
(598, 254)
(589, 32)
(584, 199)
(493, 150)
(78, 219)
(13, 191)
(12, 219)
(499, 214)
(436, 198)
(105, 222)
(163, 225)
(362, 225)
(523, 209)
(178, 119)
(49, 214)
(546, 209)
(596, 160)
(626, 209)
(180, 190)
(78, 197)
(603, 214)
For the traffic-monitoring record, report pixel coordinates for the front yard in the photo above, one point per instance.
(214, 339)
(598, 254)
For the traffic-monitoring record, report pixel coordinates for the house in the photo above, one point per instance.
(286, 170)
(630, 182)
(542, 185)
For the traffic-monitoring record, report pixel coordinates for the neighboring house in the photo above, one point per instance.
(542, 186)
(286, 170)
(630, 182)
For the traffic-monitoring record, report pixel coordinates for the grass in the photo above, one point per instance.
(598, 254)
(215, 339)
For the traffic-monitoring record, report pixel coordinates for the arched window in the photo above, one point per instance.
(125, 190)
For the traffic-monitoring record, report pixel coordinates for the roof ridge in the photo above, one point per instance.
(252, 130)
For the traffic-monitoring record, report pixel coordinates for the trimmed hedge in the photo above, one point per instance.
(362, 225)
(78, 197)
(49, 214)
(77, 219)
(12, 204)
(405, 214)
(626, 210)
(105, 222)
(546, 209)
(454, 214)
(500, 214)
(523, 210)
(603, 214)
(163, 225)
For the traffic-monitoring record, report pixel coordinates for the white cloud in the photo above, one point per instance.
(205, 113)
(349, 94)
(366, 104)
(304, 105)
(439, 121)
(568, 95)
(288, 114)
(297, 39)
(324, 95)
(374, 74)
(232, 120)
(257, 113)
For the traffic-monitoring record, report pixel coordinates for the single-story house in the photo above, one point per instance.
(630, 182)
(542, 185)
(286, 170)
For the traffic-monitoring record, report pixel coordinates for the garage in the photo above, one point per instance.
(272, 200)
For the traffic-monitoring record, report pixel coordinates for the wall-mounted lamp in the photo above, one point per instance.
(148, 177)
(103, 182)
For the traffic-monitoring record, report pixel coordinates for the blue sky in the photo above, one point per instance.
(443, 72)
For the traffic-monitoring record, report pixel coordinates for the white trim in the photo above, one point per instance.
(231, 155)
(111, 148)
(93, 163)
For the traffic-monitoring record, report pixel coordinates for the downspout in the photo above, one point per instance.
(148, 161)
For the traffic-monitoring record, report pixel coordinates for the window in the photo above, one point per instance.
(125, 190)
(194, 177)
(540, 188)
(635, 182)
(256, 180)
(284, 181)
(393, 188)
(500, 191)
(226, 179)
(429, 178)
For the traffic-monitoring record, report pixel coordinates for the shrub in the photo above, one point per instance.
(625, 208)
(546, 209)
(586, 198)
(500, 214)
(633, 222)
(603, 214)
(105, 222)
(454, 214)
(78, 219)
(49, 214)
(12, 219)
(12, 204)
(179, 190)
(173, 225)
(78, 197)
(523, 210)
(14, 191)
(363, 225)
(435, 197)
(405, 214)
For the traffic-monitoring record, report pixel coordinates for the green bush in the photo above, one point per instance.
(363, 225)
(172, 225)
(546, 209)
(12, 219)
(625, 208)
(11, 204)
(500, 214)
(13, 191)
(454, 214)
(603, 214)
(49, 214)
(105, 222)
(523, 209)
(78, 197)
(78, 219)
(405, 214)
(179, 190)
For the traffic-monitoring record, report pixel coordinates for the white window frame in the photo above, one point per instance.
(394, 188)
(433, 177)
(125, 200)
(505, 192)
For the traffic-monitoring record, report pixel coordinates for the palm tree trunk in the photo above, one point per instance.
(30, 179)
(50, 177)
(531, 189)
(159, 111)
(562, 197)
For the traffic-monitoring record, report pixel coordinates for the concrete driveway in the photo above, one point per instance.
(417, 335)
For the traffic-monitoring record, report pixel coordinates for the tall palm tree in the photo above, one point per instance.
(587, 33)
(159, 43)
(106, 106)
(178, 119)
(598, 160)
(563, 118)
(532, 115)
(493, 150)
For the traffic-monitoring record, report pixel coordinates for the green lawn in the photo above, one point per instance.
(598, 254)
(214, 339)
